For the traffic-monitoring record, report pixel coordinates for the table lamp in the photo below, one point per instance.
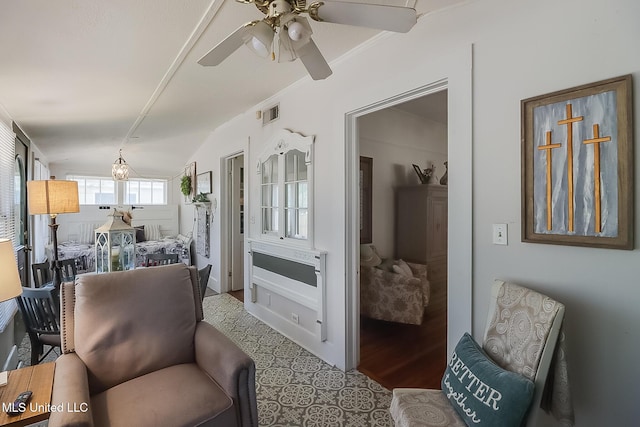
(10, 284)
(53, 197)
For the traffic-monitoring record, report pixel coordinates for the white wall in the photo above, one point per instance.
(395, 140)
(520, 49)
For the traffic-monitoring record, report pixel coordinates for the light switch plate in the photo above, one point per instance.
(500, 234)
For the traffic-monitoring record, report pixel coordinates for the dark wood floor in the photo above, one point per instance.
(239, 295)
(398, 355)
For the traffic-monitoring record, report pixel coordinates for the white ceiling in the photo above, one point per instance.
(84, 78)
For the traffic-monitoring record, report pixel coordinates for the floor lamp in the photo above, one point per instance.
(53, 197)
(10, 285)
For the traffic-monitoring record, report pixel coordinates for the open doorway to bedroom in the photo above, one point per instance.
(403, 152)
(234, 204)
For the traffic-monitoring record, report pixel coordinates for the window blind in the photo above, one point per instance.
(7, 228)
(7, 159)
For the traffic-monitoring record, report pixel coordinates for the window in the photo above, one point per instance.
(145, 191)
(285, 187)
(96, 190)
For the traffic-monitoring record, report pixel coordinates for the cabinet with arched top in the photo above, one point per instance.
(286, 188)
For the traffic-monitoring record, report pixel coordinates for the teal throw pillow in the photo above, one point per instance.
(482, 393)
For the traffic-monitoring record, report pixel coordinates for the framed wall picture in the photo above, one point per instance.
(366, 200)
(577, 166)
(204, 183)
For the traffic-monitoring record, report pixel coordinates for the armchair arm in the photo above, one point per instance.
(231, 368)
(420, 271)
(70, 393)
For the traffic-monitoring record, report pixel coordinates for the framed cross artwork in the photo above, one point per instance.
(577, 166)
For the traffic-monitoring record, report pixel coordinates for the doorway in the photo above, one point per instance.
(235, 210)
(407, 221)
(20, 171)
(457, 67)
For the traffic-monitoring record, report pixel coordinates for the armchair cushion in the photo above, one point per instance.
(481, 392)
(401, 267)
(369, 256)
(115, 321)
(194, 400)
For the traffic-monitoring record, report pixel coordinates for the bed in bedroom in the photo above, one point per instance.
(156, 232)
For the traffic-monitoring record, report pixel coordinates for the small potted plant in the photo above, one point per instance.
(201, 198)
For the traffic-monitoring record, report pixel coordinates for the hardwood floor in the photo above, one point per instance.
(239, 295)
(399, 355)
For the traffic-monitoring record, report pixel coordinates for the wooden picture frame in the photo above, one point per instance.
(366, 200)
(204, 183)
(577, 166)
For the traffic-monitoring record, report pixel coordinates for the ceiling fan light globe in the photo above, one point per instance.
(296, 31)
(260, 39)
(258, 47)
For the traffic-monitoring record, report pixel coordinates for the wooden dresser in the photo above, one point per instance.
(421, 229)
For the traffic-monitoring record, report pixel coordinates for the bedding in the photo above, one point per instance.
(85, 252)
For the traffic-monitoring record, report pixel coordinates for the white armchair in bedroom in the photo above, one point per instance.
(395, 291)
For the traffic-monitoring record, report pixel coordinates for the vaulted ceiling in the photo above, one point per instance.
(84, 78)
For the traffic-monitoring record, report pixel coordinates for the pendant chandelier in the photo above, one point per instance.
(120, 169)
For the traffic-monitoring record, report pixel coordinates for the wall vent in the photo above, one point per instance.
(270, 114)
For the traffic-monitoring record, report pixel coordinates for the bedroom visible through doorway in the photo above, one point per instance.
(396, 138)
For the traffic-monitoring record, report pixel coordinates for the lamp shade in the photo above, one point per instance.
(53, 197)
(10, 285)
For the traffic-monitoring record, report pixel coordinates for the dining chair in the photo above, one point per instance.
(203, 279)
(42, 273)
(152, 260)
(41, 314)
(69, 269)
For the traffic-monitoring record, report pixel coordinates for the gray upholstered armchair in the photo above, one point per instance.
(392, 296)
(136, 352)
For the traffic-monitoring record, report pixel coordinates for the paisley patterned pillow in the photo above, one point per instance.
(483, 393)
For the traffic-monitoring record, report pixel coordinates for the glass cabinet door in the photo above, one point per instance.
(296, 195)
(269, 197)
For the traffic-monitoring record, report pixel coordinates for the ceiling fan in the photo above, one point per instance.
(286, 35)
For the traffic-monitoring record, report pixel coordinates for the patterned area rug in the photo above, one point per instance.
(294, 387)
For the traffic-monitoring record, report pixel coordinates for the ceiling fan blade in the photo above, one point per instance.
(382, 17)
(313, 61)
(226, 47)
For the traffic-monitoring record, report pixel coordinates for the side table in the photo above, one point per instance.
(38, 379)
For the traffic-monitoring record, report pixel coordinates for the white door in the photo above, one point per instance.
(236, 238)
